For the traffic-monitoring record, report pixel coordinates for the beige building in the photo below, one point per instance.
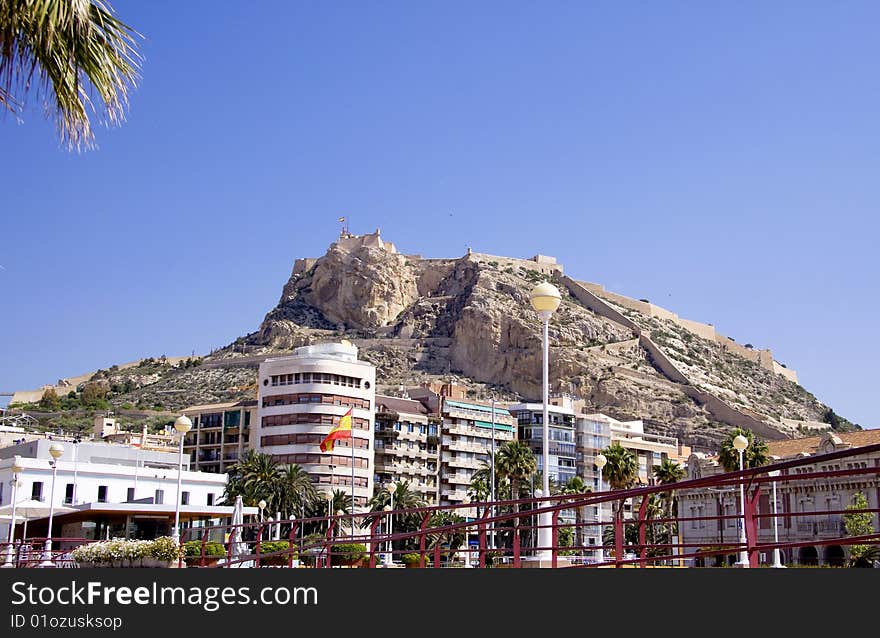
(649, 449)
(302, 397)
(407, 446)
(810, 499)
(220, 435)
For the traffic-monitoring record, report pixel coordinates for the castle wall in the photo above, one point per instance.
(545, 266)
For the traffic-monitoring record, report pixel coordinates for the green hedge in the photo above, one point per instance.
(348, 552)
(272, 547)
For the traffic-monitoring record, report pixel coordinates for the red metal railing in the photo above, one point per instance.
(506, 532)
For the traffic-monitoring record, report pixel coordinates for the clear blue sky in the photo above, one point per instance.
(719, 160)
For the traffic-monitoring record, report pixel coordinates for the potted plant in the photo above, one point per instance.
(163, 552)
(348, 554)
(412, 561)
(275, 553)
(214, 551)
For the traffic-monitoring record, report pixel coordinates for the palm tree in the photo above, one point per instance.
(666, 473)
(254, 477)
(621, 471)
(516, 462)
(755, 455)
(296, 490)
(76, 50)
(576, 485)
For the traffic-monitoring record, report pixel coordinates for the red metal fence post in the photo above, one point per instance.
(483, 542)
(643, 550)
(374, 542)
(422, 539)
(331, 524)
(259, 543)
(554, 536)
(752, 526)
(202, 555)
(516, 553)
(618, 534)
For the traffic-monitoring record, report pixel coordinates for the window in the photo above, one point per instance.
(159, 498)
(210, 499)
(184, 498)
(37, 491)
(129, 495)
(102, 493)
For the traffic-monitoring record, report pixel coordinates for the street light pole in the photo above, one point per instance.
(390, 558)
(545, 299)
(740, 443)
(600, 462)
(492, 476)
(56, 450)
(777, 563)
(16, 470)
(182, 425)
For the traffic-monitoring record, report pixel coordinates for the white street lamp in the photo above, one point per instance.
(600, 462)
(776, 558)
(182, 425)
(389, 557)
(740, 443)
(545, 299)
(262, 506)
(16, 470)
(56, 450)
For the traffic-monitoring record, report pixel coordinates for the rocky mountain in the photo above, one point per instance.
(468, 319)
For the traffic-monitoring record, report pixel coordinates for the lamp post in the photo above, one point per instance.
(492, 476)
(389, 557)
(182, 425)
(16, 470)
(740, 443)
(56, 450)
(776, 558)
(600, 461)
(262, 506)
(467, 547)
(545, 299)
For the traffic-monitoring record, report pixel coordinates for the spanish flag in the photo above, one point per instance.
(341, 431)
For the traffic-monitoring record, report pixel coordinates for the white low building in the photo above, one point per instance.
(112, 490)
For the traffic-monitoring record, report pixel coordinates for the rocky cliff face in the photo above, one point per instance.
(469, 320)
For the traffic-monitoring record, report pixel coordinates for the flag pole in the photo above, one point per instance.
(352, 477)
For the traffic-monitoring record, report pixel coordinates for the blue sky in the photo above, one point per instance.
(719, 160)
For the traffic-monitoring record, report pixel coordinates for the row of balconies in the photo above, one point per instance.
(479, 415)
(468, 463)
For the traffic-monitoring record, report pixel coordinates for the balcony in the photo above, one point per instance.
(826, 526)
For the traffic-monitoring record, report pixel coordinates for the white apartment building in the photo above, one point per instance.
(562, 446)
(114, 490)
(302, 397)
(407, 446)
(466, 443)
(220, 435)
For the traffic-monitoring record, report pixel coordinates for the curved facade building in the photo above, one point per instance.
(302, 397)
